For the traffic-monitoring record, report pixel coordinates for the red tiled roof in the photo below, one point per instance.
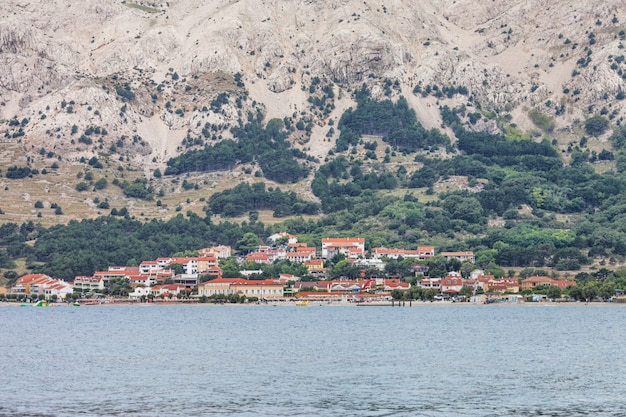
(343, 240)
(32, 278)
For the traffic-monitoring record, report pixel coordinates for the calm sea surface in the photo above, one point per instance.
(313, 361)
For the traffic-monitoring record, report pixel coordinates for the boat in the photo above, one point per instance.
(302, 303)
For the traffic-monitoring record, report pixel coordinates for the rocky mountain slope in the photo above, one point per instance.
(142, 77)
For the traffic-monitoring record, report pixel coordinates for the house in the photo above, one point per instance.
(57, 288)
(371, 263)
(41, 286)
(262, 289)
(296, 246)
(167, 290)
(312, 285)
(299, 257)
(282, 236)
(163, 275)
(346, 286)
(418, 269)
(422, 252)
(258, 257)
(431, 283)
(250, 272)
(425, 252)
(217, 286)
(215, 271)
(452, 283)
(106, 276)
(537, 281)
(276, 254)
(315, 266)
(29, 284)
(461, 256)
(190, 265)
(350, 247)
(149, 267)
(562, 283)
(206, 263)
(470, 282)
(395, 284)
(482, 280)
(353, 253)
(137, 278)
(186, 280)
(285, 278)
(139, 292)
(502, 286)
(85, 284)
(220, 252)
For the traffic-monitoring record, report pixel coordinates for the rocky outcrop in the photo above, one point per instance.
(507, 54)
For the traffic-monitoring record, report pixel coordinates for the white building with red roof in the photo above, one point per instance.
(220, 252)
(87, 284)
(461, 256)
(283, 235)
(167, 289)
(452, 283)
(57, 288)
(149, 267)
(395, 284)
(41, 286)
(422, 252)
(431, 283)
(262, 289)
(299, 257)
(351, 247)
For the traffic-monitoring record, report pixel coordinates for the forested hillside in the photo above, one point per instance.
(522, 205)
(495, 127)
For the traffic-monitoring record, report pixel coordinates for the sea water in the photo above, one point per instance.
(203, 360)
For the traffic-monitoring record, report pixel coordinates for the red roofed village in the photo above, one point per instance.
(341, 270)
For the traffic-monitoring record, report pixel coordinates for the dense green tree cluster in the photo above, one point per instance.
(497, 149)
(527, 245)
(124, 91)
(139, 188)
(395, 122)
(16, 172)
(243, 198)
(81, 248)
(433, 169)
(223, 155)
(596, 125)
(13, 238)
(336, 185)
(267, 146)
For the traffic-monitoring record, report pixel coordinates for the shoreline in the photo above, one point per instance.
(338, 304)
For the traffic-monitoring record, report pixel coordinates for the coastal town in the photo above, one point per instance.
(200, 278)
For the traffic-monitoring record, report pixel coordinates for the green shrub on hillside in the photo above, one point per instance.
(596, 125)
(541, 120)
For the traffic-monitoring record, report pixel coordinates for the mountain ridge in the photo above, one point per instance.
(176, 57)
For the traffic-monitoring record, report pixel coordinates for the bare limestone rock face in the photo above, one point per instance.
(166, 61)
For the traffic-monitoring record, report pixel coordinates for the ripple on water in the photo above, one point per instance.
(349, 362)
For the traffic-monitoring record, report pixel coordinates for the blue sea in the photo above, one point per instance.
(201, 360)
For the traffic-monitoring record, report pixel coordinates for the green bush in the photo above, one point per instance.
(596, 125)
(541, 120)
